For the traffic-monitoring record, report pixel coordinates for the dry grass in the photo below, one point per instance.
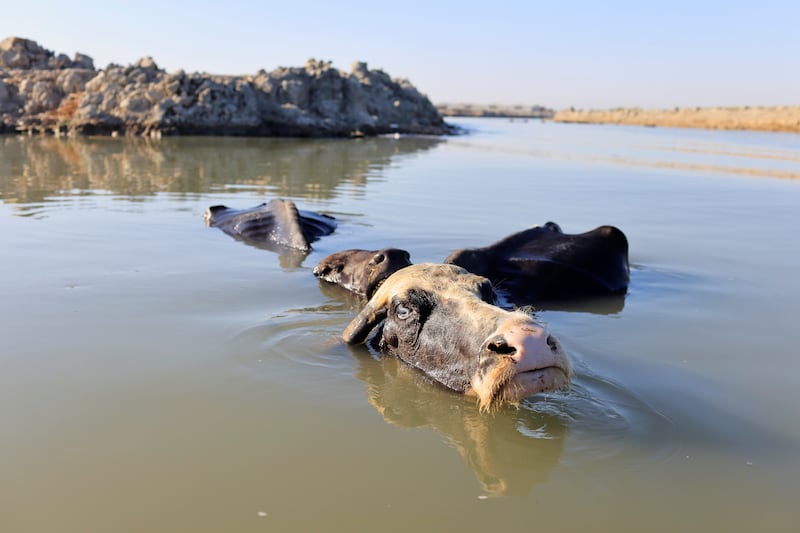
(781, 119)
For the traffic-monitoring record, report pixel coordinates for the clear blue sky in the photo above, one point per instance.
(599, 54)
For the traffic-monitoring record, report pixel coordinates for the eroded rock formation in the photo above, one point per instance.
(42, 91)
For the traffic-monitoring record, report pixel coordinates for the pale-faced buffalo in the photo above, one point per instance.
(442, 319)
(276, 225)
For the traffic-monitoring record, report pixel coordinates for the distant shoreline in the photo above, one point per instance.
(784, 119)
(494, 110)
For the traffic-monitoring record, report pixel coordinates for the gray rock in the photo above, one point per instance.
(73, 80)
(43, 96)
(83, 61)
(19, 53)
(10, 102)
(147, 63)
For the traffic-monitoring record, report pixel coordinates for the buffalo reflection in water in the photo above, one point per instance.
(510, 450)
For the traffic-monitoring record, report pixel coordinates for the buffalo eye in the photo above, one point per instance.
(377, 259)
(402, 312)
(416, 304)
(487, 292)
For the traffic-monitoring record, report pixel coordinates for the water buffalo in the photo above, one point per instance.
(276, 225)
(442, 320)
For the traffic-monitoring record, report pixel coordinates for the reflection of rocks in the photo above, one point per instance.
(510, 451)
(33, 169)
(42, 91)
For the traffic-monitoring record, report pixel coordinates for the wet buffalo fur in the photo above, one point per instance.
(430, 338)
(487, 383)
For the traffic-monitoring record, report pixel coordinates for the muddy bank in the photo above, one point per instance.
(41, 91)
(778, 119)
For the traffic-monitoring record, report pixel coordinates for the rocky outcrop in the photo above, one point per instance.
(40, 91)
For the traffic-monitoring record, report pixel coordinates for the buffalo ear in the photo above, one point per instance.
(359, 328)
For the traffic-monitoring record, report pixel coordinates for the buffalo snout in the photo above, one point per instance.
(519, 359)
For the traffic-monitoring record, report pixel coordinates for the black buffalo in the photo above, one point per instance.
(545, 264)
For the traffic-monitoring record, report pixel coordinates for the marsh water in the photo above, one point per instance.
(158, 375)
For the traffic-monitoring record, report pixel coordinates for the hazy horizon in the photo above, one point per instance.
(574, 54)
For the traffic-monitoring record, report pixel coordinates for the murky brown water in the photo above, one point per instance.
(157, 375)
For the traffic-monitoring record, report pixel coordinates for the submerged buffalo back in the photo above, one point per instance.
(276, 223)
(543, 263)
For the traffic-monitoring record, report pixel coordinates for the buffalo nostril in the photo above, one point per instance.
(551, 342)
(500, 346)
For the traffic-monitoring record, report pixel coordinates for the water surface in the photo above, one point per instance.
(158, 375)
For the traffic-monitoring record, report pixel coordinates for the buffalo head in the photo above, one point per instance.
(361, 271)
(442, 320)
